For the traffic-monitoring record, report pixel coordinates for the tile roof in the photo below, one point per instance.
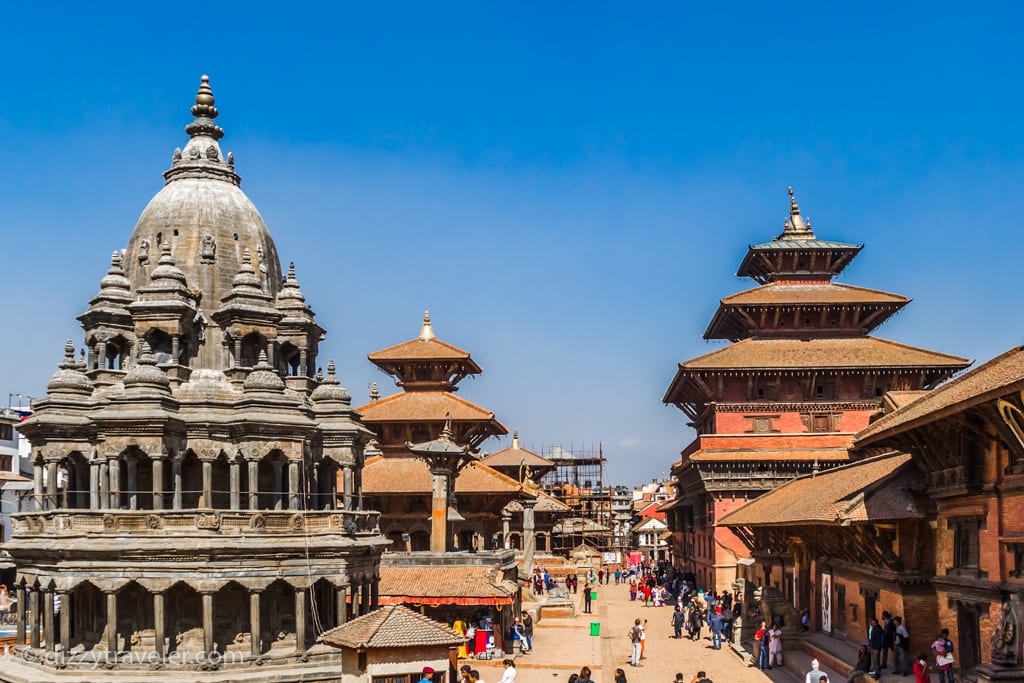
(812, 293)
(391, 626)
(421, 349)
(805, 244)
(841, 352)
(512, 456)
(857, 492)
(396, 476)
(998, 377)
(545, 503)
(426, 405)
(770, 454)
(462, 584)
(898, 399)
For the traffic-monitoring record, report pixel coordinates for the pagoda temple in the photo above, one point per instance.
(400, 485)
(802, 375)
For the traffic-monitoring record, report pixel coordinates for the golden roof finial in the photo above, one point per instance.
(427, 331)
(515, 439)
(795, 227)
(204, 100)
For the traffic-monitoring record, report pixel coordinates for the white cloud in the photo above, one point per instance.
(630, 442)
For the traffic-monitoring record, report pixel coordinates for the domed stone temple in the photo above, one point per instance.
(197, 480)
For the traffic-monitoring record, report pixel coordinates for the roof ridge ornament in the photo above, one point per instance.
(427, 331)
(204, 112)
(795, 227)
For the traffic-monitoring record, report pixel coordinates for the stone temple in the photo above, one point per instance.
(197, 481)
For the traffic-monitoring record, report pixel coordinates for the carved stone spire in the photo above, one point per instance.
(427, 331)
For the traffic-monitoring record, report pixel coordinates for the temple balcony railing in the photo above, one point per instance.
(203, 522)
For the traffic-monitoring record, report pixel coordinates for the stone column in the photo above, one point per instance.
(21, 594)
(278, 468)
(207, 622)
(157, 465)
(158, 623)
(529, 540)
(300, 619)
(33, 608)
(177, 483)
(342, 605)
(114, 472)
(174, 348)
(357, 488)
(48, 632)
(133, 483)
(254, 622)
(207, 485)
(346, 491)
(112, 624)
(94, 486)
(364, 598)
(235, 477)
(65, 621)
(104, 485)
(354, 612)
(439, 511)
(254, 494)
(375, 595)
(51, 485)
(38, 486)
(506, 533)
(293, 485)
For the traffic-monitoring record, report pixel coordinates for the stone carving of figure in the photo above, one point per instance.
(526, 477)
(200, 322)
(1004, 636)
(143, 252)
(208, 249)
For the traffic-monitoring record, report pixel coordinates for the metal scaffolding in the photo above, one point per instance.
(578, 481)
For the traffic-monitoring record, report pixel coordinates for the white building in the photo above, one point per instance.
(647, 537)
(14, 458)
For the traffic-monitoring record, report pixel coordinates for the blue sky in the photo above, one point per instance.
(567, 187)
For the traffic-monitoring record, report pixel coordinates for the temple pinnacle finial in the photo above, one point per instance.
(446, 433)
(795, 226)
(427, 332)
(374, 392)
(515, 439)
(205, 112)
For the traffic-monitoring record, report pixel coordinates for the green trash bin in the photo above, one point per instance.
(593, 595)
(595, 628)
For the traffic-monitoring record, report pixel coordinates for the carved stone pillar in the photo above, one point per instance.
(346, 494)
(51, 485)
(114, 472)
(158, 623)
(254, 494)
(207, 622)
(207, 485)
(157, 464)
(506, 532)
(235, 484)
(254, 622)
(94, 485)
(33, 608)
(48, 632)
(65, 621)
(293, 485)
(375, 595)
(354, 601)
(300, 619)
(133, 483)
(364, 598)
(104, 485)
(342, 604)
(175, 342)
(112, 624)
(439, 511)
(38, 488)
(278, 468)
(21, 595)
(529, 539)
(176, 477)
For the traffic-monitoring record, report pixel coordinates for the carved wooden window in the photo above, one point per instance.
(966, 544)
(1018, 560)
(761, 424)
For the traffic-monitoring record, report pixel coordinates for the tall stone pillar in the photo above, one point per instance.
(207, 485)
(346, 494)
(51, 486)
(278, 468)
(254, 494)
(364, 598)
(529, 539)
(94, 486)
(158, 623)
(235, 476)
(293, 485)
(354, 612)
(104, 485)
(48, 632)
(133, 483)
(114, 472)
(439, 511)
(157, 465)
(207, 622)
(506, 532)
(112, 624)
(177, 483)
(63, 597)
(342, 605)
(33, 608)
(300, 619)
(21, 594)
(375, 595)
(254, 622)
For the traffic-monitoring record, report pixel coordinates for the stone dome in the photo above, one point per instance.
(204, 216)
(69, 378)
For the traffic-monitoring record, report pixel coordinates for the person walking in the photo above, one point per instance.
(876, 641)
(901, 648)
(509, 675)
(620, 676)
(634, 641)
(527, 632)
(643, 640)
(632, 589)
(678, 618)
(921, 669)
(775, 645)
(586, 597)
(943, 649)
(715, 622)
(618, 576)
(888, 639)
(863, 664)
(761, 637)
(585, 676)
(815, 674)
